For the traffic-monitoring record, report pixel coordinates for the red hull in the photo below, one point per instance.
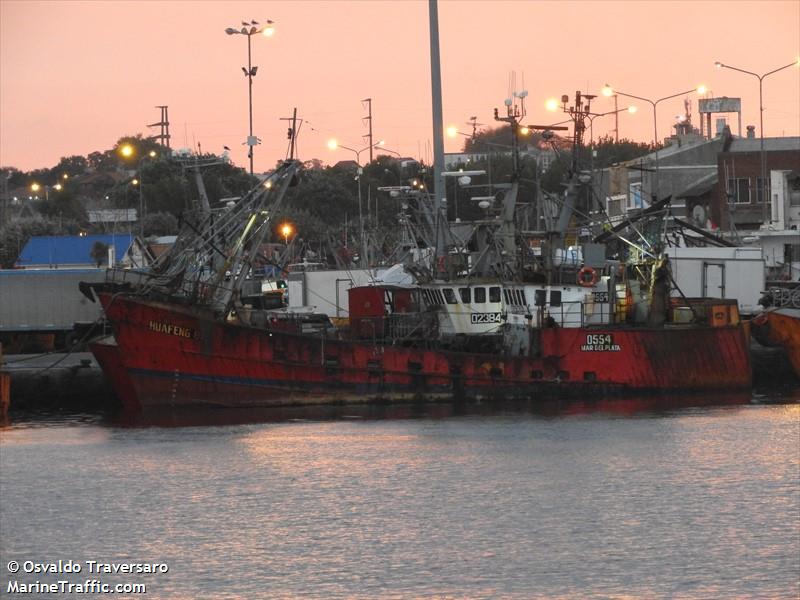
(173, 356)
(109, 358)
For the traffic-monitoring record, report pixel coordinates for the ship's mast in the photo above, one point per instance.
(515, 112)
(578, 113)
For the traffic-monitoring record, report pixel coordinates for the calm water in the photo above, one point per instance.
(603, 500)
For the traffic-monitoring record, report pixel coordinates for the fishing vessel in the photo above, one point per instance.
(779, 326)
(490, 316)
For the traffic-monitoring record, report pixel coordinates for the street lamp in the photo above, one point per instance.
(552, 104)
(128, 151)
(35, 187)
(610, 91)
(250, 29)
(630, 109)
(286, 231)
(764, 183)
(333, 144)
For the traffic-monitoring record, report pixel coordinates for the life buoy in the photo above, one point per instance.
(587, 277)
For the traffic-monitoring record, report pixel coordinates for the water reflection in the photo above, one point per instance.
(626, 498)
(551, 408)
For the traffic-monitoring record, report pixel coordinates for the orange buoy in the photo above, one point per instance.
(587, 277)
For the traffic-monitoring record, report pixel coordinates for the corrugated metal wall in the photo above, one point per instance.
(46, 300)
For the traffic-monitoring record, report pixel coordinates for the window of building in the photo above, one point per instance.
(466, 295)
(615, 205)
(635, 195)
(739, 190)
(760, 190)
(794, 191)
(480, 295)
(494, 294)
(791, 253)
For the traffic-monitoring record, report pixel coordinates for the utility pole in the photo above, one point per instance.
(368, 118)
(439, 200)
(292, 132)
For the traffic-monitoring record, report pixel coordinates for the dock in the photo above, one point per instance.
(54, 380)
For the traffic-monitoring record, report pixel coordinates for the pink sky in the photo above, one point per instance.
(75, 76)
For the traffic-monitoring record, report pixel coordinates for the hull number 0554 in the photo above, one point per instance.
(600, 342)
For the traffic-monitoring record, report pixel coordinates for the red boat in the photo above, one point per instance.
(167, 355)
(492, 317)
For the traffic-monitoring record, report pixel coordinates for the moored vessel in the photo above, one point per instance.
(487, 318)
(780, 326)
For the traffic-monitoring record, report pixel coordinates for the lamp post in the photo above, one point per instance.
(764, 183)
(35, 187)
(333, 145)
(128, 151)
(592, 116)
(286, 230)
(631, 109)
(609, 91)
(250, 29)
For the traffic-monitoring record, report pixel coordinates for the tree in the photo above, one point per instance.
(14, 236)
(101, 161)
(160, 223)
(99, 252)
(610, 152)
(329, 194)
(71, 166)
(63, 206)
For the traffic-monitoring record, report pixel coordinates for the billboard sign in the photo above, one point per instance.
(720, 105)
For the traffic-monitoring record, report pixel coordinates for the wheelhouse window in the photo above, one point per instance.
(555, 298)
(449, 296)
(466, 295)
(494, 294)
(480, 295)
(514, 297)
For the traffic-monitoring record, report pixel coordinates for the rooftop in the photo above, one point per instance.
(49, 250)
(770, 144)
